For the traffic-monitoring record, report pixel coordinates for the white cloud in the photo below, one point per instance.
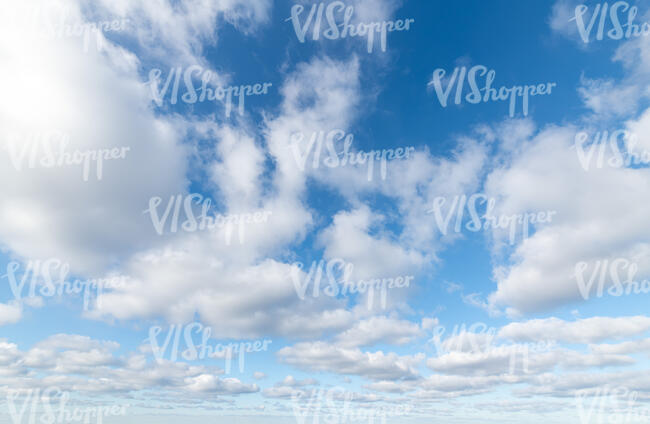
(10, 313)
(208, 383)
(372, 256)
(588, 330)
(289, 388)
(520, 360)
(598, 215)
(321, 356)
(81, 364)
(52, 212)
(235, 288)
(634, 346)
(282, 392)
(607, 97)
(379, 329)
(166, 30)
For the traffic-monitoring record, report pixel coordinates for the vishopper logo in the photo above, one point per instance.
(55, 22)
(339, 406)
(479, 339)
(50, 150)
(205, 220)
(336, 159)
(461, 204)
(487, 92)
(207, 91)
(615, 150)
(339, 274)
(615, 405)
(613, 268)
(202, 350)
(51, 405)
(49, 278)
(337, 11)
(609, 20)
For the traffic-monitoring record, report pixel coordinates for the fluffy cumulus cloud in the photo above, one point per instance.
(379, 329)
(87, 102)
(94, 100)
(166, 29)
(75, 363)
(231, 267)
(321, 356)
(10, 312)
(592, 220)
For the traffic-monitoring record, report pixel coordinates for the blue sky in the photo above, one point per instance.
(493, 326)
